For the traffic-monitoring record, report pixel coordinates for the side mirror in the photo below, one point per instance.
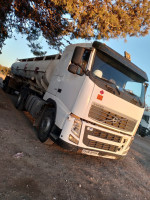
(74, 69)
(77, 56)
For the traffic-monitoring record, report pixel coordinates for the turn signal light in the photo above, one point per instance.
(72, 139)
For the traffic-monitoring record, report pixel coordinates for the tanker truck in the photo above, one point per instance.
(89, 100)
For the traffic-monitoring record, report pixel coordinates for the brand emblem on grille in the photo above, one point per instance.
(115, 120)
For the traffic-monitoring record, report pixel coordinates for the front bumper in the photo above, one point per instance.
(95, 140)
(81, 150)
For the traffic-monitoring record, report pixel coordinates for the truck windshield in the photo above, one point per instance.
(125, 81)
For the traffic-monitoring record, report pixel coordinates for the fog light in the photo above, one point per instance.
(72, 139)
(76, 128)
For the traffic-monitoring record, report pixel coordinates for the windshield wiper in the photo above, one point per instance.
(112, 83)
(136, 97)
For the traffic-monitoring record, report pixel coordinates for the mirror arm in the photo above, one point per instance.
(146, 86)
(87, 72)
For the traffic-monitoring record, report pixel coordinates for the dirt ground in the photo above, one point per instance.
(30, 170)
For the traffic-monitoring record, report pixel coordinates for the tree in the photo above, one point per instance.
(4, 70)
(88, 19)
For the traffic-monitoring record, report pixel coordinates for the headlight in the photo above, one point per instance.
(73, 139)
(76, 128)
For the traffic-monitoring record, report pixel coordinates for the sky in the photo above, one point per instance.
(138, 47)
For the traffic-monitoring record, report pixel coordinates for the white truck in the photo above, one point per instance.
(144, 127)
(90, 99)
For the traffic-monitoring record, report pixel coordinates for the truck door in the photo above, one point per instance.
(70, 84)
(55, 82)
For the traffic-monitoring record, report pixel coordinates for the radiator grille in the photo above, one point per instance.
(103, 135)
(102, 146)
(102, 115)
(107, 136)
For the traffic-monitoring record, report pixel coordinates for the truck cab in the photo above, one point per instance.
(100, 97)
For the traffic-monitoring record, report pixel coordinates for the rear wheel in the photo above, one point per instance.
(20, 104)
(46, 124)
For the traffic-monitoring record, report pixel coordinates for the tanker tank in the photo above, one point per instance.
(37, 71)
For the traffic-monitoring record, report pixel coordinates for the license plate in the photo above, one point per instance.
(88, 152)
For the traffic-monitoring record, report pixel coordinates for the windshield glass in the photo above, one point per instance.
(126, 81)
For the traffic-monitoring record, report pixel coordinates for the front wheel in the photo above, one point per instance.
(46, 124)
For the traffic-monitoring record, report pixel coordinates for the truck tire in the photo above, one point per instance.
(46, 124)
(20, 104)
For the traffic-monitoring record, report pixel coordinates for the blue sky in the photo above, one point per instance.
(139, 49)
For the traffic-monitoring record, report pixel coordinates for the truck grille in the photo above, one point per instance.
(107, 136)
(102, 115)
(103, 146)
(104, 135)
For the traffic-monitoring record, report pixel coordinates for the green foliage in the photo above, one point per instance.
(88, 19)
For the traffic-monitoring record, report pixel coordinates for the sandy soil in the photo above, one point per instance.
(30, 170)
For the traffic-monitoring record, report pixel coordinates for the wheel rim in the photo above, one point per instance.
(45, 125)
